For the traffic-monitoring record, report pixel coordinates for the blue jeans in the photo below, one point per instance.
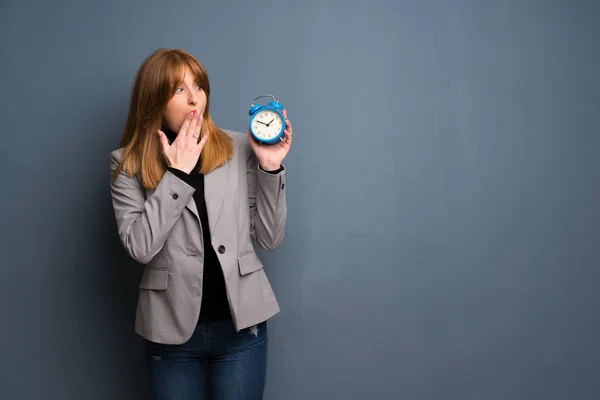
(217, 363)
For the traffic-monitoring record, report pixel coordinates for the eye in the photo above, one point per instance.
(198, 87)
(179, 90)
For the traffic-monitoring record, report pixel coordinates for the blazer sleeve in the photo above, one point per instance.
(144, 224)
(267, 200)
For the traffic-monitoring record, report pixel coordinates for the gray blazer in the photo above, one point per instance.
(161, 229)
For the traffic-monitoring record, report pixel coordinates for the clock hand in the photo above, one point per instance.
(270, 122)
(260, 122)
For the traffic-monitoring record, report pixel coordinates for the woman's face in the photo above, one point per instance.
(188, 97)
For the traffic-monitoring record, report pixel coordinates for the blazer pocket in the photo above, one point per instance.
(249, 262)
(155, 279)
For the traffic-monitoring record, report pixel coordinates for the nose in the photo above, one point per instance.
(193, 99)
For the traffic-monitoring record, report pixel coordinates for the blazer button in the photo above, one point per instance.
(221, 249)
(175, 196)
(282, 186)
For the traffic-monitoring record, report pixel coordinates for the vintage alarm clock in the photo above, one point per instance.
(267, 123)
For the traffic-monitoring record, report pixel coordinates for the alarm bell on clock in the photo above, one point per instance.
(266, 121)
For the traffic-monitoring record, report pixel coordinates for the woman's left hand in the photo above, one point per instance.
(270, 157)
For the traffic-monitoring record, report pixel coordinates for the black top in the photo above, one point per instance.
(215, 305)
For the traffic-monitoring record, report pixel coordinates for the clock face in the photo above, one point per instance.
(267, 124)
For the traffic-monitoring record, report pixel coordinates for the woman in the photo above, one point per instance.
(189, 200)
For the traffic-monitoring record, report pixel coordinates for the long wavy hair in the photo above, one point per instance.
(154, 85)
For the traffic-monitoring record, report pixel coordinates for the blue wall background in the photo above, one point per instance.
(442, 190)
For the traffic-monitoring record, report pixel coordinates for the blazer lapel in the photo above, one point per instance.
(191, 205)
(215, 183)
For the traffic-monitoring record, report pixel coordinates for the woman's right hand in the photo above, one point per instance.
(185, 150)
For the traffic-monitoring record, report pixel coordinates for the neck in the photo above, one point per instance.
(169, 133)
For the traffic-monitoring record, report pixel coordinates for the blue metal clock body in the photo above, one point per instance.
(269, 130)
